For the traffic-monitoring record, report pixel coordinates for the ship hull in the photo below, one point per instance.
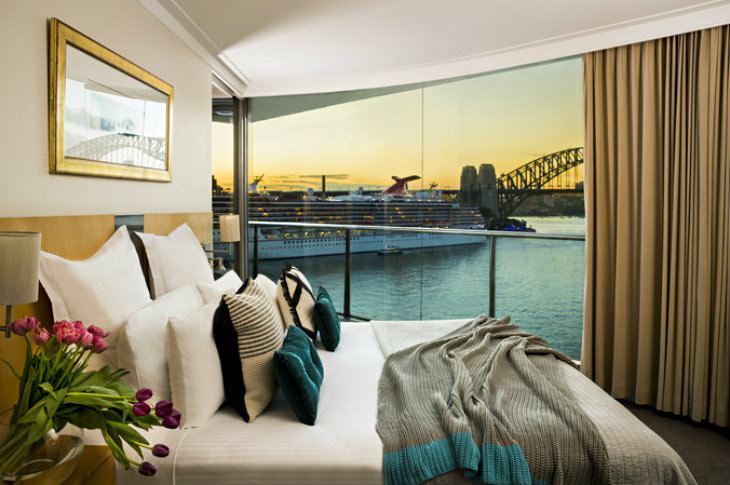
(269, 248)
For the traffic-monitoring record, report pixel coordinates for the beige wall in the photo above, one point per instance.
(26, 187)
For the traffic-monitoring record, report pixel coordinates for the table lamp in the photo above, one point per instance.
(230, 230)
(19, 263)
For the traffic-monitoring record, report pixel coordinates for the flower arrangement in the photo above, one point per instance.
(56, 388)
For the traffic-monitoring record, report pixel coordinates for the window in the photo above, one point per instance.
(222, 183)
(496, 151)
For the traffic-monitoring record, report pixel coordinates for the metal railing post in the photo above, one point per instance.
(255, 251)
(492, 268)
(346, 309)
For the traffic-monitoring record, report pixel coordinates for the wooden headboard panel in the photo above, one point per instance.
(76, 237)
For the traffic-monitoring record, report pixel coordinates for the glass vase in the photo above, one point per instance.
(51, 463)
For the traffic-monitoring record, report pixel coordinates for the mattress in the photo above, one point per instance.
(343, 447)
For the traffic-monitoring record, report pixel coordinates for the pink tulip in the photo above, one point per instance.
(86, 340)
(99, 344)
(66, 332)
(19, 326)
(97, 332)
(41, 336)
(31, 323)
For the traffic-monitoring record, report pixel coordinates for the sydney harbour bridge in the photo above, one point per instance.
(558, 172)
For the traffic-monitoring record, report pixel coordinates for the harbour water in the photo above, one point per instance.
(539, 283)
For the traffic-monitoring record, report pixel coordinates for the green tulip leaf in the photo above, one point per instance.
(46, 386)
(88, 419)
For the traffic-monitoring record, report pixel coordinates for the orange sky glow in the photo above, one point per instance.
(505, 118)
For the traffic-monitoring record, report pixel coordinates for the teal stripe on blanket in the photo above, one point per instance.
(492, 463)
(504, 465)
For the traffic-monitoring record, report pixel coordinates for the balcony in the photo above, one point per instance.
(416, 273)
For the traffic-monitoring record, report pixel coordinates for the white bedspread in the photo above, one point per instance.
(276, 449)
(343, 447)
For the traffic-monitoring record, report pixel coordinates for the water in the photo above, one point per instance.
(539, 283)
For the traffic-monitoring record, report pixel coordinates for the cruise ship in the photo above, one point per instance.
(395, 206)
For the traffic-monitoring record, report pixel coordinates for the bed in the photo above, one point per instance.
(343, 447)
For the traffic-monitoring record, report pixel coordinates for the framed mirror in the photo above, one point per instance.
(108, 117)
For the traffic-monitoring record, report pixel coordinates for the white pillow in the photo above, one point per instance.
(175, 260)
(103, 290)
(226, 284)
(196, 379)
(143, 340)
(269, 288)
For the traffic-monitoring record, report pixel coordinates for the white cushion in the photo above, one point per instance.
(142, 342)
(175, 260)
(196, 379)
(296, 300)
(225, 285)
(104, 290)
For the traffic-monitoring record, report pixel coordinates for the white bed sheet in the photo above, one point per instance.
(343, 447)
(276, 449)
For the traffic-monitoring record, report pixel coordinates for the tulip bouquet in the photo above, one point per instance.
(56, 388)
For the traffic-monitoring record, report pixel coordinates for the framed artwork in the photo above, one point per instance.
(107, 116)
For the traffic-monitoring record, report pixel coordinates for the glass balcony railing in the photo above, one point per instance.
(417, 273)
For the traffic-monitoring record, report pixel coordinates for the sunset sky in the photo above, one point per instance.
(505, 118)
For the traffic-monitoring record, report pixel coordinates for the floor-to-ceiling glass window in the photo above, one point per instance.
(500, 151)
(222, 183)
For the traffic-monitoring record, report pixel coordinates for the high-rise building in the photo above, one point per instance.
(468, 194)
(487, 188)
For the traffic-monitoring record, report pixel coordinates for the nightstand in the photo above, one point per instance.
(96, 467)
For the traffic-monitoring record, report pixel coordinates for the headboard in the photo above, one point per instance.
(79, 237)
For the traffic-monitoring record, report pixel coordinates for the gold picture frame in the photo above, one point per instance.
(115, 128)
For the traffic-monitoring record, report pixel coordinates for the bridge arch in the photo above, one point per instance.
(102, 146)
(515, 187)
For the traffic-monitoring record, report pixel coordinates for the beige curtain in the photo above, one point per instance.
(657, 188)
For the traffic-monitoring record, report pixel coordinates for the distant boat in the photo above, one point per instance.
(394, 206)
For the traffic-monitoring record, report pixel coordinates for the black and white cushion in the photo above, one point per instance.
(296, 300)
(248, 330)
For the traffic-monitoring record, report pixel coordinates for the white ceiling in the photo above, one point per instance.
(295, 46)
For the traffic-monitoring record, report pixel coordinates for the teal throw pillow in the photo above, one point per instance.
(327, 321)
(300, 373)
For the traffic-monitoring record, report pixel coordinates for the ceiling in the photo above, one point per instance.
(299, 46)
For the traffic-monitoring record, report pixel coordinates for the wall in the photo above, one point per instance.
(26, 187)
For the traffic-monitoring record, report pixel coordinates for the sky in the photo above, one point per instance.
(505, 118)
(223, 161)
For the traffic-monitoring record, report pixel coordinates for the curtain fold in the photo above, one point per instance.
(657, 188)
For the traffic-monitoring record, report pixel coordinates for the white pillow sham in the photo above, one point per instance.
(196, 379)
(226, 284)
(175, 260)
(103, 290)
(143, 340)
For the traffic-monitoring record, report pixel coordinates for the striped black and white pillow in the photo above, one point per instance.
(296, 300)
(248, 330)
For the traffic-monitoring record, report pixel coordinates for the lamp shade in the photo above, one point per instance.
(229, 228)
(19, 262)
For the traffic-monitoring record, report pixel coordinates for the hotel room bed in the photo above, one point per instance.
(343, 447)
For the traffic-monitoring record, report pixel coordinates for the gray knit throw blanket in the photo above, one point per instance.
(486, 403)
